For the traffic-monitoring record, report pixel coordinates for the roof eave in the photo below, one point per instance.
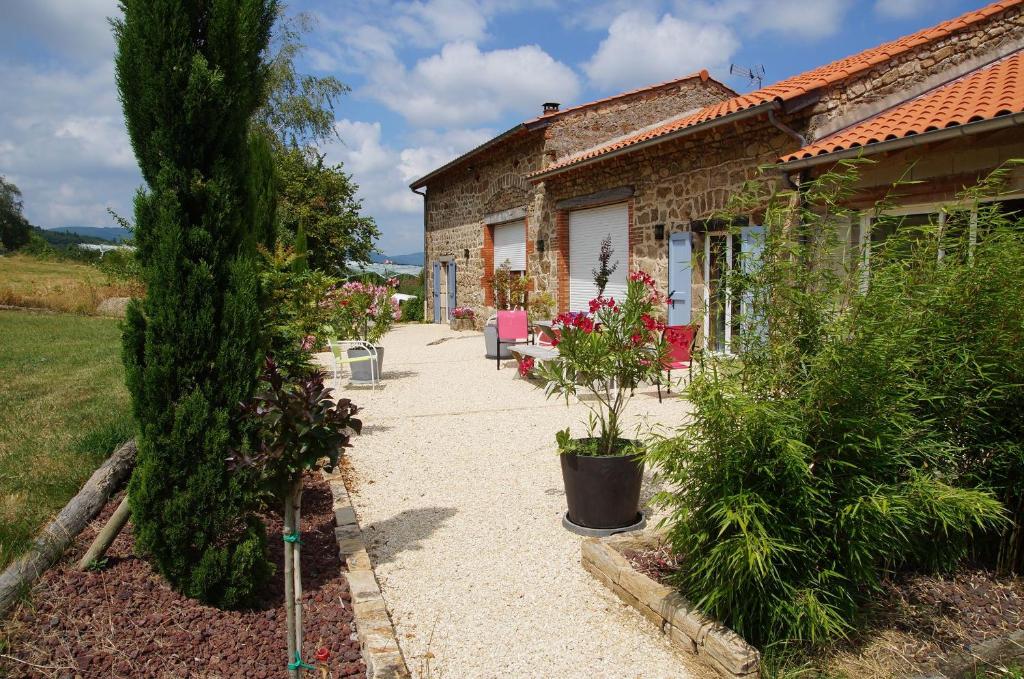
(977, 127)
(734, 117)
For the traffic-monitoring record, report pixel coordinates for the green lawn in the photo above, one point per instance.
(63, 409)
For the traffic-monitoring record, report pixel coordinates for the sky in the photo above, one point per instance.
(429, 80)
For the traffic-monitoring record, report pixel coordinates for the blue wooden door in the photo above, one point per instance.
(437, 292)
(680, 274)
(451, 288)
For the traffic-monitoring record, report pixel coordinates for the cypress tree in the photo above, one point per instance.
(190, 74)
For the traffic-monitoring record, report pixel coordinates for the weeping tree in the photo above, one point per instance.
(191, 74)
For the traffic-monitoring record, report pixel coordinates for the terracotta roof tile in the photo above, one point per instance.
(795, 86)
(988, 92)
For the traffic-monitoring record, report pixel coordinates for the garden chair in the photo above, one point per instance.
(547, 336)
(680, 340)
(339, 354)
(513, 328)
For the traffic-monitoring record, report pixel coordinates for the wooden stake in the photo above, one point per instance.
(107, 536)
(297, 569)
(289, 601)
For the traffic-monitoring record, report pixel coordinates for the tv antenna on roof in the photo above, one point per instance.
(755, 75)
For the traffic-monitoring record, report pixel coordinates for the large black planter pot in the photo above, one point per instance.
(603, 492)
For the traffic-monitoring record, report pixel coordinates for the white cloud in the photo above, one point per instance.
(794, 18)
(78, 28)
(383, 173)
(436, 22)
(641, 49)
(462, 85)
(902, 9)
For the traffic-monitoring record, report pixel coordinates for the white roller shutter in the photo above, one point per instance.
(510, 244)
(587, 228)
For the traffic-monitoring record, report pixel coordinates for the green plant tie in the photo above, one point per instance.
(291, 537)
(299, 664)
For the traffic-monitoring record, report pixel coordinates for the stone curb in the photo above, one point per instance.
(377, 638)
(715, 645)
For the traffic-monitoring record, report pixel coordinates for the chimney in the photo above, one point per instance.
(550, 107)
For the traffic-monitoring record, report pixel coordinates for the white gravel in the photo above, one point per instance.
(459, 493)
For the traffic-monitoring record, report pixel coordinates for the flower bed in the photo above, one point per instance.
(124, 620)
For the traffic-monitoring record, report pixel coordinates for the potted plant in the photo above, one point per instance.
(462, 318)
(605, 354)
(510, 292)
(363, 310)
(541, 306)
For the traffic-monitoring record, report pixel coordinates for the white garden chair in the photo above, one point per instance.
(339, 354)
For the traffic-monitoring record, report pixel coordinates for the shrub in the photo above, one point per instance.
(412, 310)
(510, 289)
(808, 469)
(363, 310)
(190, 75)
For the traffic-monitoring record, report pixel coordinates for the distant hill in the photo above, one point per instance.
(414, 259)
(65, 239)
(109, 234)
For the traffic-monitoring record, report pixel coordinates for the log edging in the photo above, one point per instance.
(377, 638)
(715, 645)
(58, 535)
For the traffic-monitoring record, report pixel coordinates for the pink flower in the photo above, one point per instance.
(637, 339)
(322, 654)
(648, 322)
(525, 366)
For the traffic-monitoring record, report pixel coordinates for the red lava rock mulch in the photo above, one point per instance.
(126, 621)
(935, 615)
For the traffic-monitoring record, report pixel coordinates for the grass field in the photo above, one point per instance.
(63, 409)
(58, 285)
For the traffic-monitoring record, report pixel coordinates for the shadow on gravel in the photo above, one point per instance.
(404, 531)
(398, 375)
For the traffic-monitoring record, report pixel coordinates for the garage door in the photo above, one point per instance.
(587, 228)
(510, 245)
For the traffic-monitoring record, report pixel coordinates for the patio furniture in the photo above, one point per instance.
(339, 353)
(545, 334)
(537, 352)
(680, 340)
(513, 328)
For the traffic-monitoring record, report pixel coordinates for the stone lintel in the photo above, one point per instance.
(615, 195)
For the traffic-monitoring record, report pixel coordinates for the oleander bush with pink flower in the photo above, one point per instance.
(606, 353)
(363, 310)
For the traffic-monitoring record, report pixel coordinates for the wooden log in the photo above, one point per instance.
(107, 536)
(60, 532)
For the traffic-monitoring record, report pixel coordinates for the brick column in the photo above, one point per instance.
(562, 258)
(487, 255)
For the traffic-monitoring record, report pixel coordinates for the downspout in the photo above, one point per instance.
(423, 271)
(790, 132)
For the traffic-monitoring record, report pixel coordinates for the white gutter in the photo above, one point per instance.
(979, 127)
(682, 132)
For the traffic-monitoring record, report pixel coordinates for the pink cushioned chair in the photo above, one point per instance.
(680, 340)
(513, 328)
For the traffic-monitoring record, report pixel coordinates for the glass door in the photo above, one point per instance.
(722, 314)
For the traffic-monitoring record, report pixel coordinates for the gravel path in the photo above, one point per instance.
(459, 492)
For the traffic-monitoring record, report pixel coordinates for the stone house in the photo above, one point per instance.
(943, 106)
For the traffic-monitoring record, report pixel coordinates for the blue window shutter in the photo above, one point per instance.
(680, 275)
(437, 292)
(752, 240)
(451, 287)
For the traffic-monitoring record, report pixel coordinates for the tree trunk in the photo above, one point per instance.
(107, 536)
(56, 537)
(289, 601)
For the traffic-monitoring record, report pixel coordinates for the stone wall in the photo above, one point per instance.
(586, 128)
(912, 73)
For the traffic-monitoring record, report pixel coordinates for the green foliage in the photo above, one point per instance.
(412, 310)
(301, 250)
(606, 355)
(323, 198)
(510, 290)
(299, 428)
(819, 460)
(190, 77)
(542, 305)
(298, 109)
(15, 231)
(604, 269)
(294, 317)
